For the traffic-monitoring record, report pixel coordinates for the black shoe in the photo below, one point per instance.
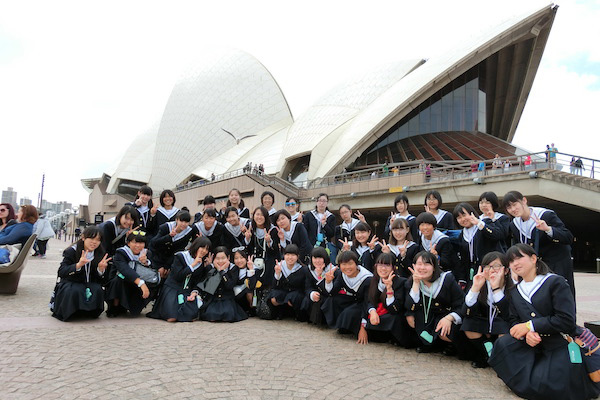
(449, 350)
(424, 349)
(479, 364)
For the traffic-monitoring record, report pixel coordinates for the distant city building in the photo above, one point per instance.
(24, 201)
(57, 208)
(10, 196)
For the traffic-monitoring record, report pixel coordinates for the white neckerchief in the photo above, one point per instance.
(325, 270)
(168, 213)
(440, 215)
(526, 227)
(89, 256)
(528, 289)
(143, 210)
(201, 228)
(132, 257)
(350, 226)
(436, 286)
(395, 248)
(295, 216)
(495, 218)
(354, 283)
(361, 250)
(407, 217)
(318, 217)
(469, 236)
(189, 260)
(243, 273)
(179, 235)
(236, 230)
(260, 233)
(287, 235)
(435, 238)
(381, 286)
(272, 211)
(118, 229)
(286, 271)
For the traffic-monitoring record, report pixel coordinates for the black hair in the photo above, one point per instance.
(511, 197)
(321, 195)
(520, 250)
(147, 190)
(211, 212)
(183, 216)
(428, 258)
(347, 256)
(230, 209)
(362, 227)
(208, 199)
(320, 252)
(492, 198)
(508, 282)
(345, 205)
(202, 241)
(291, 249)
(397, 224)
(267, 193)
(165, 193)
(401, 198)
(460, 207)
(128, 210)
(91, 232)
(265, 213)
(136, 236)
(426, 218)
(222, 249)
(374, 296)
(241, 201)
(292, 198)
(437, 196)
(184, 208)
(280, 213)
(240, 251)
(385, 258)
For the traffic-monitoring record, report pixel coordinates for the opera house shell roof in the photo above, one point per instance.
(229, 110)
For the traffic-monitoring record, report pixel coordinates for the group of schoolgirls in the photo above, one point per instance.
(427, 286)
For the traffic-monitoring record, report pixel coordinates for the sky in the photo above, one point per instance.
(80, 80)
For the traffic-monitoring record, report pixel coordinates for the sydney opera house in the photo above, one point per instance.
(461, 106)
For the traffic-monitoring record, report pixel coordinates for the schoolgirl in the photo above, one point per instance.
(474, 238)
(401, 246)
(494, 221)
(167, 210)
(346, 291)
(320, 223)
(290, 232)
(235, 227)
(535, 361)
(433, 303)
(485, 313)
(172, 237)
(401, 205)
(345, 231)
(366, 248)
(79, 290)
(209, 227)
(544, 231)
(126, 291)
(114, 230)
(220, 305)
(178, 301)
(438, 243)
(260, 243)
(235, 200)
(318, 267)
(289, 285)
(433, 204)
(146, 210)
(384, 318)
(244, 292)
(267, 200)
(292, 205)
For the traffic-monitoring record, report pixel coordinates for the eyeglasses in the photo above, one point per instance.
(384, 266)
(3, 209)
(139, 233)
(495, 268)
(288, 204)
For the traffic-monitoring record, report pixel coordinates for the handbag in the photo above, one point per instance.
(591, 357)
(263, 310)
(211, 283)
(149, 275)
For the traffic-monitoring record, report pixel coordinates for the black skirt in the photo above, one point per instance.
(283, 297)
(482, 325)
(394, 324)
(167, 305)
(129, 295)
(222, 309)
(70, 299)
(541, 372)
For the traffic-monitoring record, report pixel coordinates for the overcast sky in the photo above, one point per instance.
(79, 80)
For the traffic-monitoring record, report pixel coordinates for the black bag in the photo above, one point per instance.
(211, 283)
(149, 275)
(263, 310)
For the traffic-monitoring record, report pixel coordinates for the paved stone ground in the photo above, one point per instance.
(41, 357)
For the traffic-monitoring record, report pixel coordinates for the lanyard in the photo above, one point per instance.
(428, 308)
(493, 310)
(187, 280)
(87, 268)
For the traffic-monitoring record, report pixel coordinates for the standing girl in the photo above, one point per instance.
(167, 210)
(433, 204)
(260, 242)
(320, 224)
(290, 232)
(401, 211)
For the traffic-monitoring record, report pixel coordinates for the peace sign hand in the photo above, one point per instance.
(278, 268)
(247, 233)
(540, 224)
(280, 234)
(385, 248)
(373, 242)
(389, 281)
(360, 217)
(433, 250)
(345, 244)
(104, 262)
(82, 260)
(250, 263)
(478, 280)
(329, 275)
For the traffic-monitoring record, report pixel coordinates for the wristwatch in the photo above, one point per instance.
(142, 282)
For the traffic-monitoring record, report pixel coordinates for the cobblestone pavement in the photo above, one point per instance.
(123, 358)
